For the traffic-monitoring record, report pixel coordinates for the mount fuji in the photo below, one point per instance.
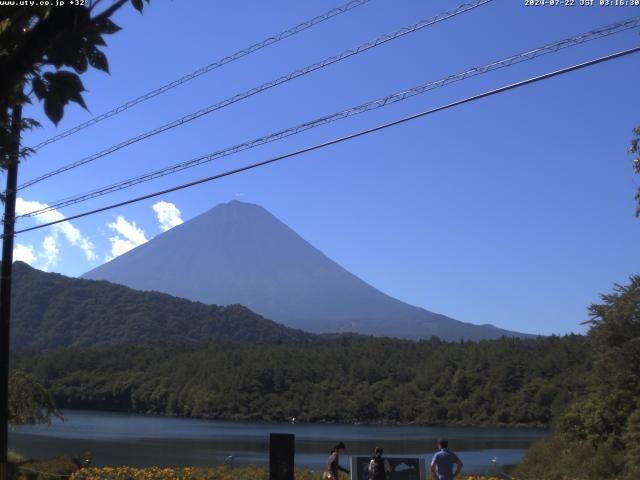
(239, 253)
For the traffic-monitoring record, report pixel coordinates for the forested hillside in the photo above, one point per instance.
(497, 382)
(599, 433)
(52, 311)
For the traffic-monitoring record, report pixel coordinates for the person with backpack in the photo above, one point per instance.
(378, 466)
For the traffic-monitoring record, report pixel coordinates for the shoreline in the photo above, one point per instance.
(262, 421)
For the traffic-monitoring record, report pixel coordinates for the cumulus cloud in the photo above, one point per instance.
(168, 215)
(50, 251)
(128, 236)
(24, 253)
(51, 247)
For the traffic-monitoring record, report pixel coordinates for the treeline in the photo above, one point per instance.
(598, 436)
(497, 382)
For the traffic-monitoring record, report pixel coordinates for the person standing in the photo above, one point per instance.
(443, 462)
(333, 463)
(378, 466)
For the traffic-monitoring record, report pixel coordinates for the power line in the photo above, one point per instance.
(528, 55)
(265, 86)
(365, 107)
(342, 139)
(334, 12)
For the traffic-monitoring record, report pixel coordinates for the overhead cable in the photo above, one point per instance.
(341, 139)
(334, 12)
(364, 107)
(261, 88)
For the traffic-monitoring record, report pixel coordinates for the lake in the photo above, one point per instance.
(139, 440)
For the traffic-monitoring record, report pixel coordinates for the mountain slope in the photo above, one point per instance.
(51, 311)
(238, 253)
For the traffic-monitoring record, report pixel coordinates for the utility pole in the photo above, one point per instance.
(5, 282)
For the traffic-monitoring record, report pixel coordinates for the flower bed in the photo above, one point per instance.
(193, 473)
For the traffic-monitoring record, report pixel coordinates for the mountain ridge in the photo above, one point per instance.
(239, 253)
(52, 311)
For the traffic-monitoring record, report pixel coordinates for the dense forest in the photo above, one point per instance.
(52, 311)
(497, 382)
(249, 368)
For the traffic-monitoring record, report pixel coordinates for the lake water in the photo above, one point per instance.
(138, 440)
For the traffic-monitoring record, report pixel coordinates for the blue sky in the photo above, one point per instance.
(515, 210)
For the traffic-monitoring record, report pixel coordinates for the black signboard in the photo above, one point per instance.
(281, 456)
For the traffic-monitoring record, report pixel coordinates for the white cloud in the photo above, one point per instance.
(71, 233)
(24, 253)
(128, 230)
(50, 251)
(168, 215)
(128, 237)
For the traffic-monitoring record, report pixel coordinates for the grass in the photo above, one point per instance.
(60, 468)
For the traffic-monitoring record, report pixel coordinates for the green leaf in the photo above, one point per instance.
(77, 97)
(98, 60)
(54, 108)
(67, 81)
(79, 61)
(30, 124)
(94, 37)
(64, 86)
(26, 152)
(22, 98)
(137, 4)
(69, 86)
(48, 76)
(39, 87)
(107, 26)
